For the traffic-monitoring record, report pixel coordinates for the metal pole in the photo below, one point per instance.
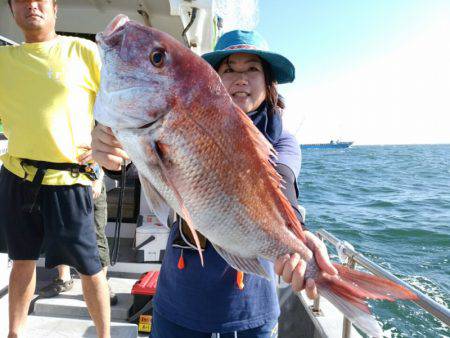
(316, 304)
(347, 324)
(428, 304)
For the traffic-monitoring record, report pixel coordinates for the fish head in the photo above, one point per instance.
(145, 74)
(134, 76)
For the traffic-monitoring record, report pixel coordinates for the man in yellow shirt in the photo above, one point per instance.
(48, 87)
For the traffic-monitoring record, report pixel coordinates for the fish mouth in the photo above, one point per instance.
(143, 128)
(126, 89)
(147, 125)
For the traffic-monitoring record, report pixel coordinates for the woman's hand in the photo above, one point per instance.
(106, 149)
(292, 268)
(86, 157)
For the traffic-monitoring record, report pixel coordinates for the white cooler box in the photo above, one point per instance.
(151, 240)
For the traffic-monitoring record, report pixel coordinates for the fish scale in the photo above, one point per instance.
(209, 207)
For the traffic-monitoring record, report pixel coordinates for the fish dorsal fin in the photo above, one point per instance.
(265, 150)
(291, 219)
(156, 202)
(169, 182)
(247, 265)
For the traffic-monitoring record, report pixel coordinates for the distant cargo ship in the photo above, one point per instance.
(331, 145)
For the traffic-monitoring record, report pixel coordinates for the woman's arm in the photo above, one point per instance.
(288, 166)
(289, 152)
(289, 189)
(291, 267)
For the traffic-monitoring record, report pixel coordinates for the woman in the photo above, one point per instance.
(196, 301)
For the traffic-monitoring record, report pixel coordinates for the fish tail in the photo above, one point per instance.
(349, 290)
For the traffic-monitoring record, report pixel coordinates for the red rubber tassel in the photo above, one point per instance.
(240, 280)
(180, 264)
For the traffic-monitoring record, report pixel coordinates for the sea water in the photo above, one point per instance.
(393, 204)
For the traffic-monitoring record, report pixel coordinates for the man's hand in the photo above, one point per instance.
(292, 267)
(97, 188)
(106, 149)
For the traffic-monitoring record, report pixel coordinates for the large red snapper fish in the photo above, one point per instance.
(200, 155)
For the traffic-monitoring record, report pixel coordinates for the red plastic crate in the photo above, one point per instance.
(146, 285)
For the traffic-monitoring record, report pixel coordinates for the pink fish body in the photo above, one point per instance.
(198, 154)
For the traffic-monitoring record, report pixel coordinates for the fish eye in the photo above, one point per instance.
(157, 57)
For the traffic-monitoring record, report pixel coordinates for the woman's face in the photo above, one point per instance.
(243, 77)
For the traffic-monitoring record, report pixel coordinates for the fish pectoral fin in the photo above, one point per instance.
(247, 265)
(156, 202)
(158, 152)
(195, 237)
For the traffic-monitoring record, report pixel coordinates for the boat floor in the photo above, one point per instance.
(66, 315)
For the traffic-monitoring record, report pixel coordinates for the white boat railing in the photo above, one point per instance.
(353, 257)
(5, 40)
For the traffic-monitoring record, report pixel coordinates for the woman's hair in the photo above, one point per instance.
(273, 98)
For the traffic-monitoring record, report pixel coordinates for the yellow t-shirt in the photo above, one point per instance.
(47, 95)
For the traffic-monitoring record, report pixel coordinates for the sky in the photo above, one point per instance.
(372, 71)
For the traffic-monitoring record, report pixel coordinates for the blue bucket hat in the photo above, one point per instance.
(251, 42)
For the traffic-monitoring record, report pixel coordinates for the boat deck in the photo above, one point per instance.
(67, 315)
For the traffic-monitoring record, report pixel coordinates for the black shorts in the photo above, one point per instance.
(61, 223)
